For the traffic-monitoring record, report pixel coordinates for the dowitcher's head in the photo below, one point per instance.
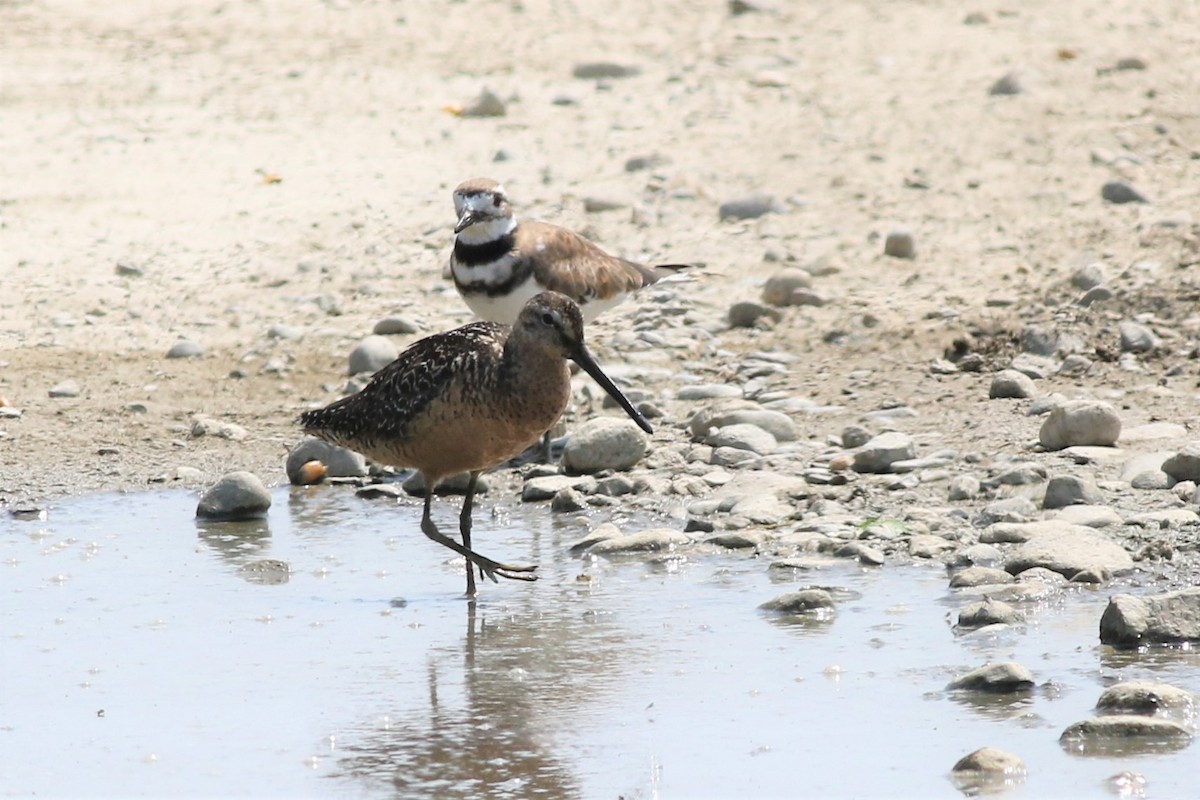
(555, 321)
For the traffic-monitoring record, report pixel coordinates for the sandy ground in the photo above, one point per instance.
(259, 163)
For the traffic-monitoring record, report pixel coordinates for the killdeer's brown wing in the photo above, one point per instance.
(565, 262)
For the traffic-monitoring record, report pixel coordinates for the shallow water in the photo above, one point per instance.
(139, 656)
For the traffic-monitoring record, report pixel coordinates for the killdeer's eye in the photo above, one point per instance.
(497, 199)
(548, 318)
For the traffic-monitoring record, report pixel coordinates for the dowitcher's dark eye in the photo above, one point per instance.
(548, 318)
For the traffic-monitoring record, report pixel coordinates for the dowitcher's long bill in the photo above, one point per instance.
(499, 263)
(467, 400)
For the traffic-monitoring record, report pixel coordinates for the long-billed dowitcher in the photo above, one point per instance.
(467, 400)
(498, 263)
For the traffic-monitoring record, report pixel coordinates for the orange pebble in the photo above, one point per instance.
(311, 472)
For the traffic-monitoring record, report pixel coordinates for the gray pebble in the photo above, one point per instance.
(654, 540)
(1145, 698)
(776, 423)
(1045, 404)
(207, 426)
(391, 326)
(814, 601)
(592, 70)
(1009, 84)
(1136, 338)
(987, 772)
(567, 499)
(1121, 192)
(1040, 340)
(926, 545)
(980, 576)
(1097, 294)
(751, 207)
(707, 391)
(1004, 677)
(1184, 465)
(743, 436)
(1075, 365)
(878, 454)
(1088, 277)
(1070, 490)
(866, 555)
(378, 491)
(339, 462)
(1125, 729)
(67, 388)
(1080, 422)
(737, 540)
(604, 443)
(747, 314)
(129, 269)
(855, 436)
(185, 348)
(1010, 509)
(900, 243)
(547, 486)
(639, 163)
(596, 205)
(372, 354)
(282, 331)
(780, 287)
(1025, 473)
(809, 297)
(983, 555)
(414, 484)
(734, 457)
(1009, 383)
(236, 496)
(988, 612)
(487, 104)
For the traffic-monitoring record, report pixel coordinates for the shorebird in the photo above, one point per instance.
(467, 400)
(499, 263)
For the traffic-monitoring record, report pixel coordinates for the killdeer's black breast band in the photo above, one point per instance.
(474, 255)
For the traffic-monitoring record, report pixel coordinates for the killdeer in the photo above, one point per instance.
(499, 263)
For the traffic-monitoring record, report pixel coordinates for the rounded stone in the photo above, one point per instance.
(185, 348)
(1185, 464)
(781, 286)
(1071, 490)
(1081, 422)
(1010, 383)
(604, 443)
(372, 354)
(1004, 677)
(339, 462)
(743, 436)
(900, 244)
(236, 496)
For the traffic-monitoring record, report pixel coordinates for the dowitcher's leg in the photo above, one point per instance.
(464, 529)
(492, 569)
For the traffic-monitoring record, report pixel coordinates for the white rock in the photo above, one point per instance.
(1081, 422)
(604, 443)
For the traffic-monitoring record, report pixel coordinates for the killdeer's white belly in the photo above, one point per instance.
(503, 308)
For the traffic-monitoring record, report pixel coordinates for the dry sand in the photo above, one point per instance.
(291, 162)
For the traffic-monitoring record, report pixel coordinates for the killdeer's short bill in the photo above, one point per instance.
(499, 263)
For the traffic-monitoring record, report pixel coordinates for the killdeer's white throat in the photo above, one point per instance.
(499, 263)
